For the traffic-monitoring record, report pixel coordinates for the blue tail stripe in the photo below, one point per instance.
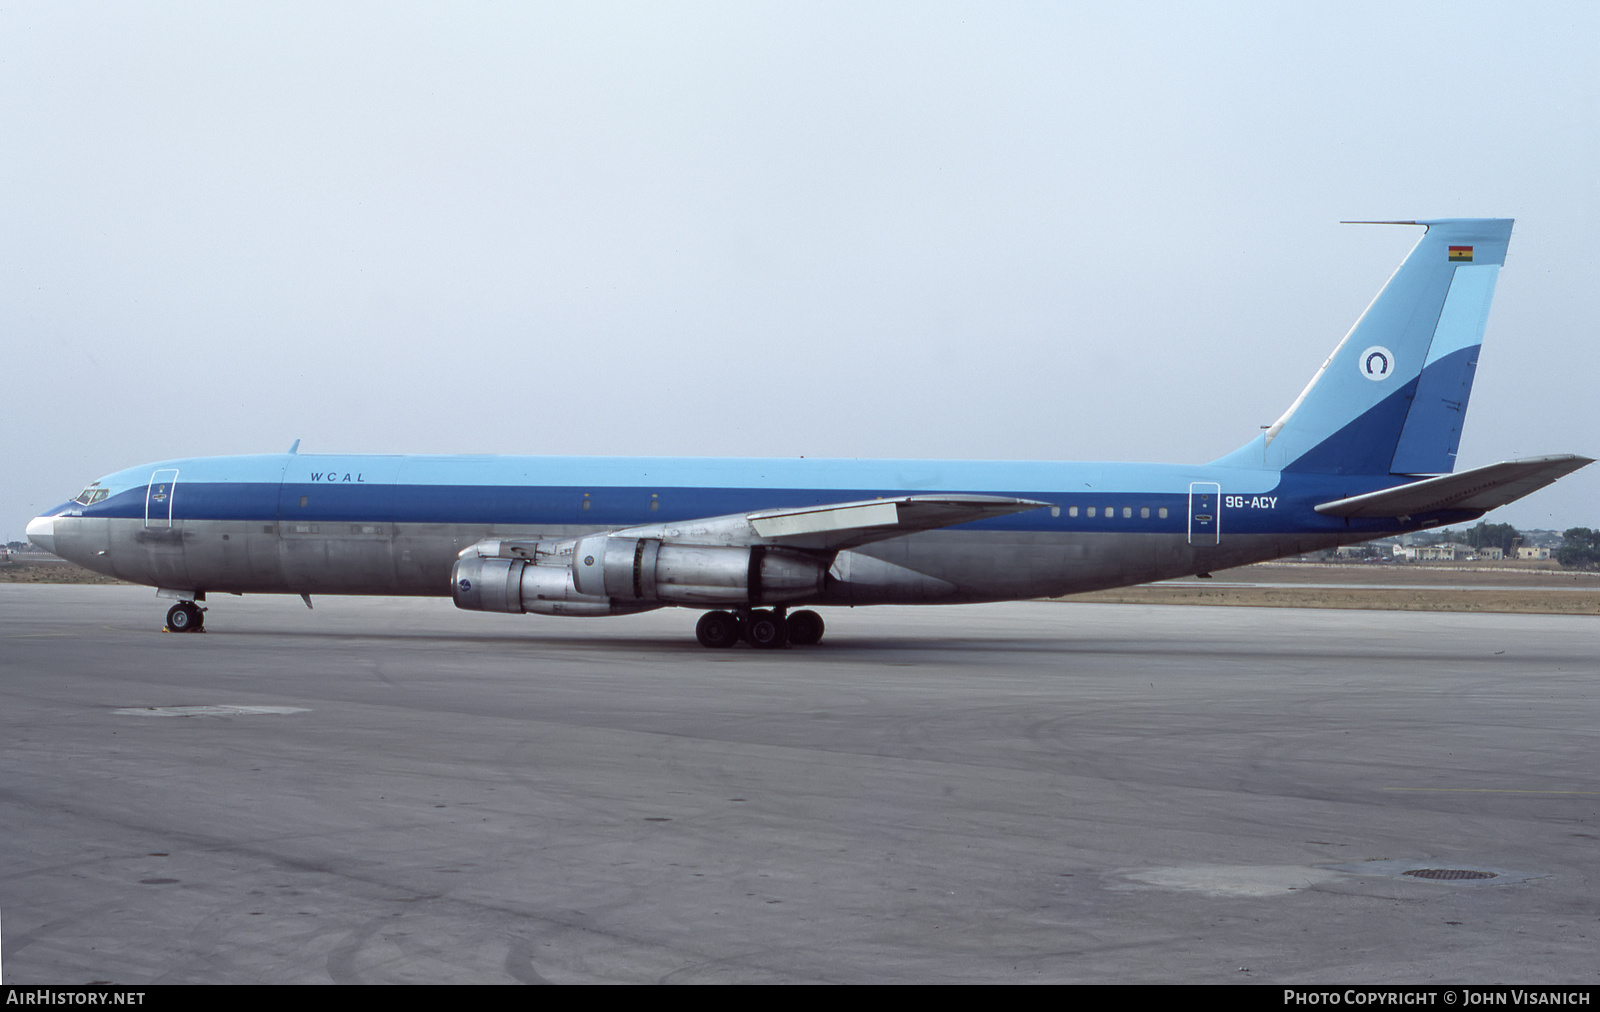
(1432, 432)
(1366, 444)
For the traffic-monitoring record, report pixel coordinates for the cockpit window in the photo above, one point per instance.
(91, 495)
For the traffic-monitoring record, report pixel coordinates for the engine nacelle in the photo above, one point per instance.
(516, 586)
(644, 569)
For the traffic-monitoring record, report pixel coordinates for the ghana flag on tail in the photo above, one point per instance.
(1461, 254)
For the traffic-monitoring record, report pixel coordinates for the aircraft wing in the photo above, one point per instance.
(831, 527)
(835, 526)
(1482, 488)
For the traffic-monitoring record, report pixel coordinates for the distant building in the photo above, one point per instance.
(1450, 551)
(1363, 551)
(1533, 552)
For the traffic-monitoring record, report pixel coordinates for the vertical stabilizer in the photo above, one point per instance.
(1392, 397)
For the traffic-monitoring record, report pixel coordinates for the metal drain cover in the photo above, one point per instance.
(205, 711)
(1448, 874)
(1487, 874)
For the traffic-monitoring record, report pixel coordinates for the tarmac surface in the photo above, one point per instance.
(396, 791)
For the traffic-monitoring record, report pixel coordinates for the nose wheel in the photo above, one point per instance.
(185, 617)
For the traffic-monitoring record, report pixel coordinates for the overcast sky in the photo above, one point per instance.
(1054, 231)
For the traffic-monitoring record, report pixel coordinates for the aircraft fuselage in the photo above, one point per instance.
(335, 524)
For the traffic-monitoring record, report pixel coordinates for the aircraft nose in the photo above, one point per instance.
(42, 532)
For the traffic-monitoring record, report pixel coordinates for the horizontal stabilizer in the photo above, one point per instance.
(1482, 488)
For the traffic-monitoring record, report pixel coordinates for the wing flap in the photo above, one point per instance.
(1482, 488)
(787, 523)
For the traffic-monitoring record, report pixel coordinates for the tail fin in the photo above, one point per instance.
(1392, 396)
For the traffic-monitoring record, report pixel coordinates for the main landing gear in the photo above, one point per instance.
(186, 617)
(767, 630)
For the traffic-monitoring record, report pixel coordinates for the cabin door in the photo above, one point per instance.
(1205, 513)
(158, 498)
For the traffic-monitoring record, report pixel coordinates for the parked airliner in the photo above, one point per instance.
(1365, 451)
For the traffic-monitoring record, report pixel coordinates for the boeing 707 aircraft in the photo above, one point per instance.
(1366, 450)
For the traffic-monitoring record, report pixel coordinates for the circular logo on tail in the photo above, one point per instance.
(1377, 362)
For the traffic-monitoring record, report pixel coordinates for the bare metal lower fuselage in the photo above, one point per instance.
(378, 558)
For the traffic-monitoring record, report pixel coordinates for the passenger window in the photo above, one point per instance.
(1144, 513)
(1162, 512)
(1072, 511)
(1127, 512)
(1091, 511)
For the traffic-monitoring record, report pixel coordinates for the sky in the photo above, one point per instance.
(1025, 231)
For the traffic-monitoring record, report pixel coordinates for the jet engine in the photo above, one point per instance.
(645, 569)
(516, 585)
(604, 575)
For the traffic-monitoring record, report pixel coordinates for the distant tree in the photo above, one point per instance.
(1581, 549)
(1487, 535)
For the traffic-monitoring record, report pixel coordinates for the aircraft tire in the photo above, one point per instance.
(717, 629)
(805, 628)
(766, 630)
(184, 617)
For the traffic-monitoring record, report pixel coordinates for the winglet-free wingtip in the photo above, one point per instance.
(294, 447)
